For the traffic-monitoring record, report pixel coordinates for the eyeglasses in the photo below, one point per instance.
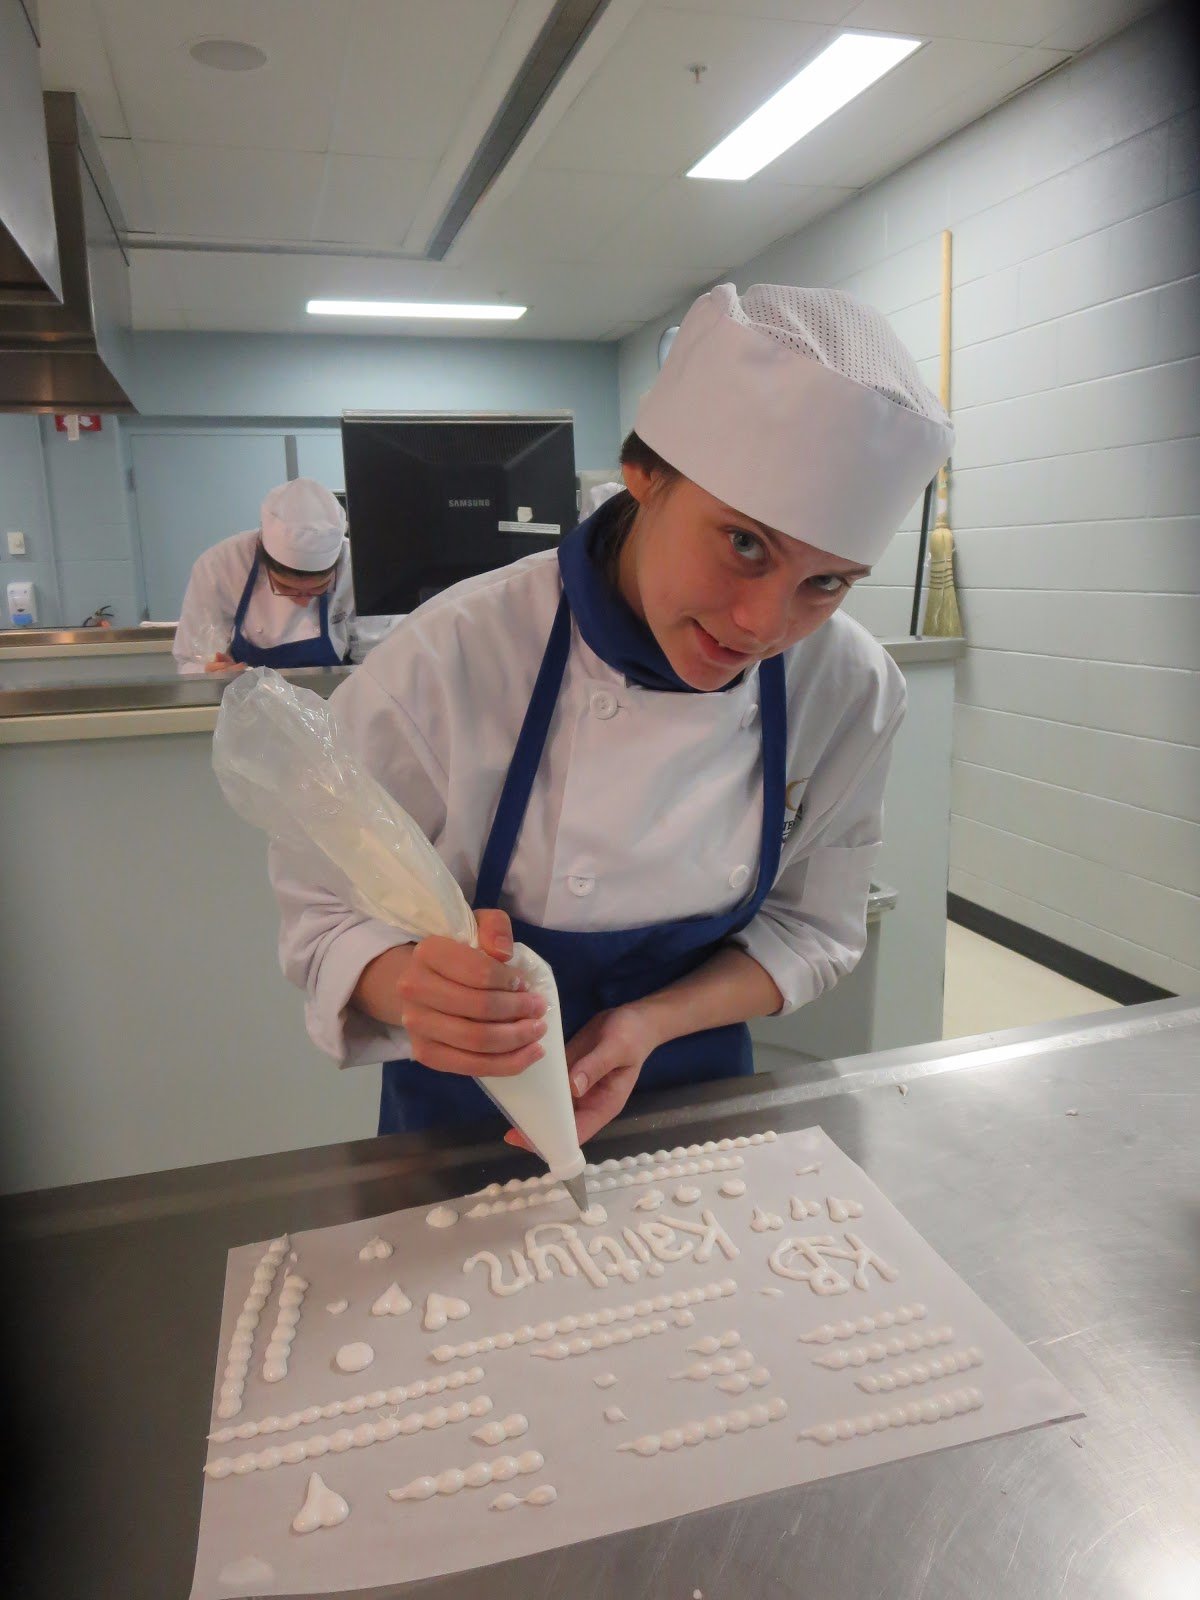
(290, 591)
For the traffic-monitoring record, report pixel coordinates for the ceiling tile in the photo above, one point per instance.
(554, 215)
(1076, 24)
(643, 111)
(211, 193)
(74, 56)
(706, 228)
(856, 145)
(369, 200)
(819, 11)
(288, 104)
(1014, 22)
(411, 69)
(121, 164)
(283, 283)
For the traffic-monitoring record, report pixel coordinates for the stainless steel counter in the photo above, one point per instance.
(1055, 1169)
(170, 694)
(60, 638)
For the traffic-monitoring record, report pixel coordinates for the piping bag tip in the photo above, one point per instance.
(578, 1190)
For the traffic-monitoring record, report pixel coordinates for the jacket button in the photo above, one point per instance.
(581, 886)
(739, 877)
(749, 715)
(604, 705)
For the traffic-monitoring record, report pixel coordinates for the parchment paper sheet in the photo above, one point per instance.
(600, 1490)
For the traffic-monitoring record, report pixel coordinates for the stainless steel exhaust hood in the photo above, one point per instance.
(75, 356)
(28, 243)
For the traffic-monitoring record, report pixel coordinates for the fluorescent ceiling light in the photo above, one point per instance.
(413, 308)
(852, 63)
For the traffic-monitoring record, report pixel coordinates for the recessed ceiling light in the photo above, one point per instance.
(852, 63)
(228, 55)
(414, 308)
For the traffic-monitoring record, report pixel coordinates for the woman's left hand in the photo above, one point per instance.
(604, 1059)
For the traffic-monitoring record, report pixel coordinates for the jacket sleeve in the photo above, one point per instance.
(324, 942)
(205, 621)
(812, 928)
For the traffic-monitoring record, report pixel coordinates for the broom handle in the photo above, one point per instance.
(945, 384)
(916, 606)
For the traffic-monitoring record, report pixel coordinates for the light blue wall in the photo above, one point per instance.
(277, 376)
(25, 508)
(1074, 491)
(93, 523)
(86, 532)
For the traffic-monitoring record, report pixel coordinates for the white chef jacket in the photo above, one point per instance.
(215, 588)
(647, 804)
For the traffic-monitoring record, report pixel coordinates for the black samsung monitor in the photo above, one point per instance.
(433, 499)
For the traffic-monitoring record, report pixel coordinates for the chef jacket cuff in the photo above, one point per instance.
(348, 1035)
(795, 978)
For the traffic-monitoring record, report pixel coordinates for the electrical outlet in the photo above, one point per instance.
(16, 544)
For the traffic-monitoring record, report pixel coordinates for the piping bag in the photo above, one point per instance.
(282, 765)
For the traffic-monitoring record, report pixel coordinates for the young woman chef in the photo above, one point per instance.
(278, 595)
(656, 755)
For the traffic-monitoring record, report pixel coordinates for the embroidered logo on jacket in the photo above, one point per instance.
(793, 801)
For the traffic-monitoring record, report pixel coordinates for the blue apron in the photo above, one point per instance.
(597, 971)
(316, 652)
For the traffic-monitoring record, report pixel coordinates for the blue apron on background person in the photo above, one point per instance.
(597, 971)
(318, 651)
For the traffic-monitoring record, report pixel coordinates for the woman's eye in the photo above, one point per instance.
(747, 545)
(828, 583)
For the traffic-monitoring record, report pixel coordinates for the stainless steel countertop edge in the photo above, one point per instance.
(147, 1197)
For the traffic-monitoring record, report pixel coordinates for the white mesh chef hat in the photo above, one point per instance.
(302, 525)
(800, 408)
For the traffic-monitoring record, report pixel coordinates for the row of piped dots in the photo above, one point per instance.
(647, 1158)
(582, 1343)
(350, 1407)
(606, 1181)
(897, 1345)
(366, 1433)
(291, 1297)
(477, 1476)
(714, 1427)
(921, 1371)
(935, 1409)
(829, 1331)
(233, 1382)
(528, 1332)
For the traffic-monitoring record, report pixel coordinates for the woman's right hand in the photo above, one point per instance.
(464, 1010)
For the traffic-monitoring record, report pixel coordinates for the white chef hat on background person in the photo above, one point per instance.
(800, 408)
(302, 525)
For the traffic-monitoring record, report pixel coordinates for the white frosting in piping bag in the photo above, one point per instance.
(538, 1100)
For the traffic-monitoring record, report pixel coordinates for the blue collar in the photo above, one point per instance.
(603, 617)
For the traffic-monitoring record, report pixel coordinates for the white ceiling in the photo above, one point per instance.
(356, 131)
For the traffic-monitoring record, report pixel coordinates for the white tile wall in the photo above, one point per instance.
(1075, 490)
